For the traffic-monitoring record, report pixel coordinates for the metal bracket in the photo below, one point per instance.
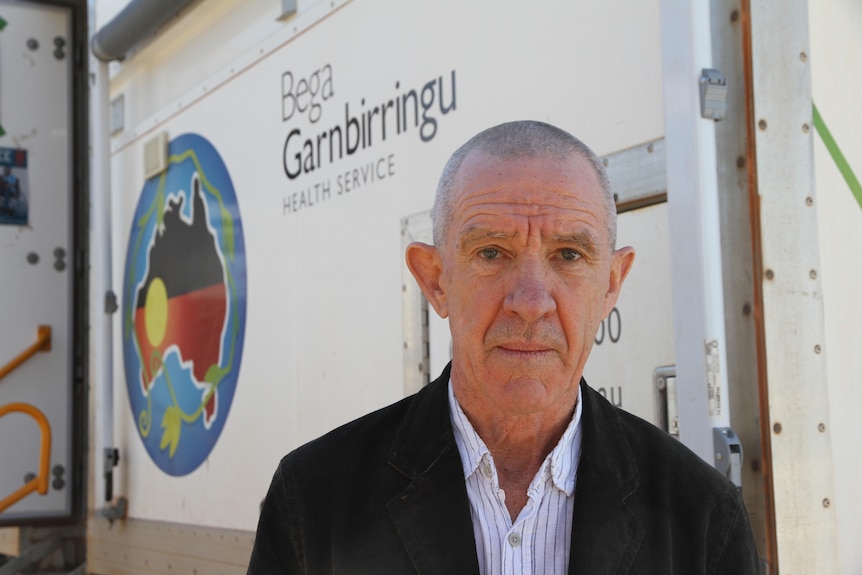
(713, 94)
(666, 404)
(115, 511)
(728, 454)
(288, 9)
(111, 458)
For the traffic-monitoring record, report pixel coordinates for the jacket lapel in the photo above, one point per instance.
(432, 515)
(606, 533)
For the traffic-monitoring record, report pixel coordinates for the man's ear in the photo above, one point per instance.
(427, 267)
(621, 265)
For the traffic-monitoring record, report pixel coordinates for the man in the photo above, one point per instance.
(509, 462)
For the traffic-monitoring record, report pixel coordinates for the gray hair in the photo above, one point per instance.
(520, 139)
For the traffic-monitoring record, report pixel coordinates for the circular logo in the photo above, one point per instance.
(184, 297)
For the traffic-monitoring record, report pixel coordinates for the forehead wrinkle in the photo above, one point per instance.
(476, 233)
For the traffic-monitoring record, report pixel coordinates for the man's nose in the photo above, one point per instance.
(530, 295)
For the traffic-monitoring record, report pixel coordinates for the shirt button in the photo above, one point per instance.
(514, 539)
(487, 471)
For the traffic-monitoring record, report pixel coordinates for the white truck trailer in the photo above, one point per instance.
(221, 278)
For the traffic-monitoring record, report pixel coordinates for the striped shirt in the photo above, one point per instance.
(537, 543)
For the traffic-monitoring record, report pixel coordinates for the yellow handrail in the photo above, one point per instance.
(40, 482)
(43, 343)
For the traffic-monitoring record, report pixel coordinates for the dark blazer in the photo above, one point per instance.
(385, 494)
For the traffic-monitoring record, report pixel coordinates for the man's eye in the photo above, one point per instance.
(489, 253)
(569, 254)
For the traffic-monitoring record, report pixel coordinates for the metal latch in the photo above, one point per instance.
(728, 454)
(111, 457)
(713, 94)
(666, 403)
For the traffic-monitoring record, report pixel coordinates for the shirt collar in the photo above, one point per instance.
(471, 448)
(563, 459)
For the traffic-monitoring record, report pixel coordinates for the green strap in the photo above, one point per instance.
(838, 157)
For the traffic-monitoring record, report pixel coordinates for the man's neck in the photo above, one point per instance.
(519, 445)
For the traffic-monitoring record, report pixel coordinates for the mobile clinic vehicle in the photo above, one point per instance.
(221, 279)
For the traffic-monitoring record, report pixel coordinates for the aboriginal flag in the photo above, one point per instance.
(183, 300)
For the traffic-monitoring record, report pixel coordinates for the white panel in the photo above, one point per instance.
(637, 336)
(323, 340)
(836, 82)
(35, 88)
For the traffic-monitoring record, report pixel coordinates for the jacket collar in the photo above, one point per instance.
(432, 515)
(606, 532)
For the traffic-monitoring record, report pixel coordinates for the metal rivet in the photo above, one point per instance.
(803, 56)
(806, 128)
(734, 16)
(650, 148)
(809, 201)
(813, 274)
(29, 477)
(761, 124)
(605, 162)
(746, 309)
(32, 258)
(821, 427)
(755, 465)
(817, 348)
(826, 502)
(718, 457)
(33, 44)
(740, 162)
(776, 428)
(770, 274)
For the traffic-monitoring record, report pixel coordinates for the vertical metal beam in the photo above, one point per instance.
(734, 152)
(101, 272)
(694, 227)
(792, 296)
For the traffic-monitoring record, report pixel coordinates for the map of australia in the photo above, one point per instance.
(181, 306)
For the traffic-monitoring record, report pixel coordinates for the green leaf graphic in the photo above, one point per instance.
(172, 425)
(215, 374)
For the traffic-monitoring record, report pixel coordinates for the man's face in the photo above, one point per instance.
(526, 274)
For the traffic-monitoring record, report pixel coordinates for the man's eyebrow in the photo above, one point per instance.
(477, 234)
(585, 240)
